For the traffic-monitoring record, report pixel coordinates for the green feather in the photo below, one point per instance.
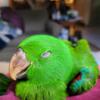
(47, 77)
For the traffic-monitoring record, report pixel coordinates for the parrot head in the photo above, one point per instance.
(48, 65)
(43, 62)
(40, 58)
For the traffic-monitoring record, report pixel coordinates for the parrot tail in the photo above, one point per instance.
(4, 83)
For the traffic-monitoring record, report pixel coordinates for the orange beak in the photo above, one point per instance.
(18, 65)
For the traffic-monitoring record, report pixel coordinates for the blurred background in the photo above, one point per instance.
(66, 19)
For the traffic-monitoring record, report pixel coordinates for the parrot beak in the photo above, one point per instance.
(18, 65)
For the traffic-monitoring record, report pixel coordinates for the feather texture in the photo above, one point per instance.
(48, 76)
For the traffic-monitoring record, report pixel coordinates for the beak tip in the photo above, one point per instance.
(13, 77)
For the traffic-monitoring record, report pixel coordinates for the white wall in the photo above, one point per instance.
(4, 3)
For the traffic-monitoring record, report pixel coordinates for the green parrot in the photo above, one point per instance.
(44, 68)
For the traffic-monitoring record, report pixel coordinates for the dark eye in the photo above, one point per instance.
(46, 54)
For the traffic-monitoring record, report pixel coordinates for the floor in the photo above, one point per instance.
(92, 34)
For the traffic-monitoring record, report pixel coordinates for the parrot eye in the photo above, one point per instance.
(46, 54)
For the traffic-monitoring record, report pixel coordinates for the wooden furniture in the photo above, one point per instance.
(84, 9)
(20, 1)
(69, 2)
(70, 24)
(21, 4)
